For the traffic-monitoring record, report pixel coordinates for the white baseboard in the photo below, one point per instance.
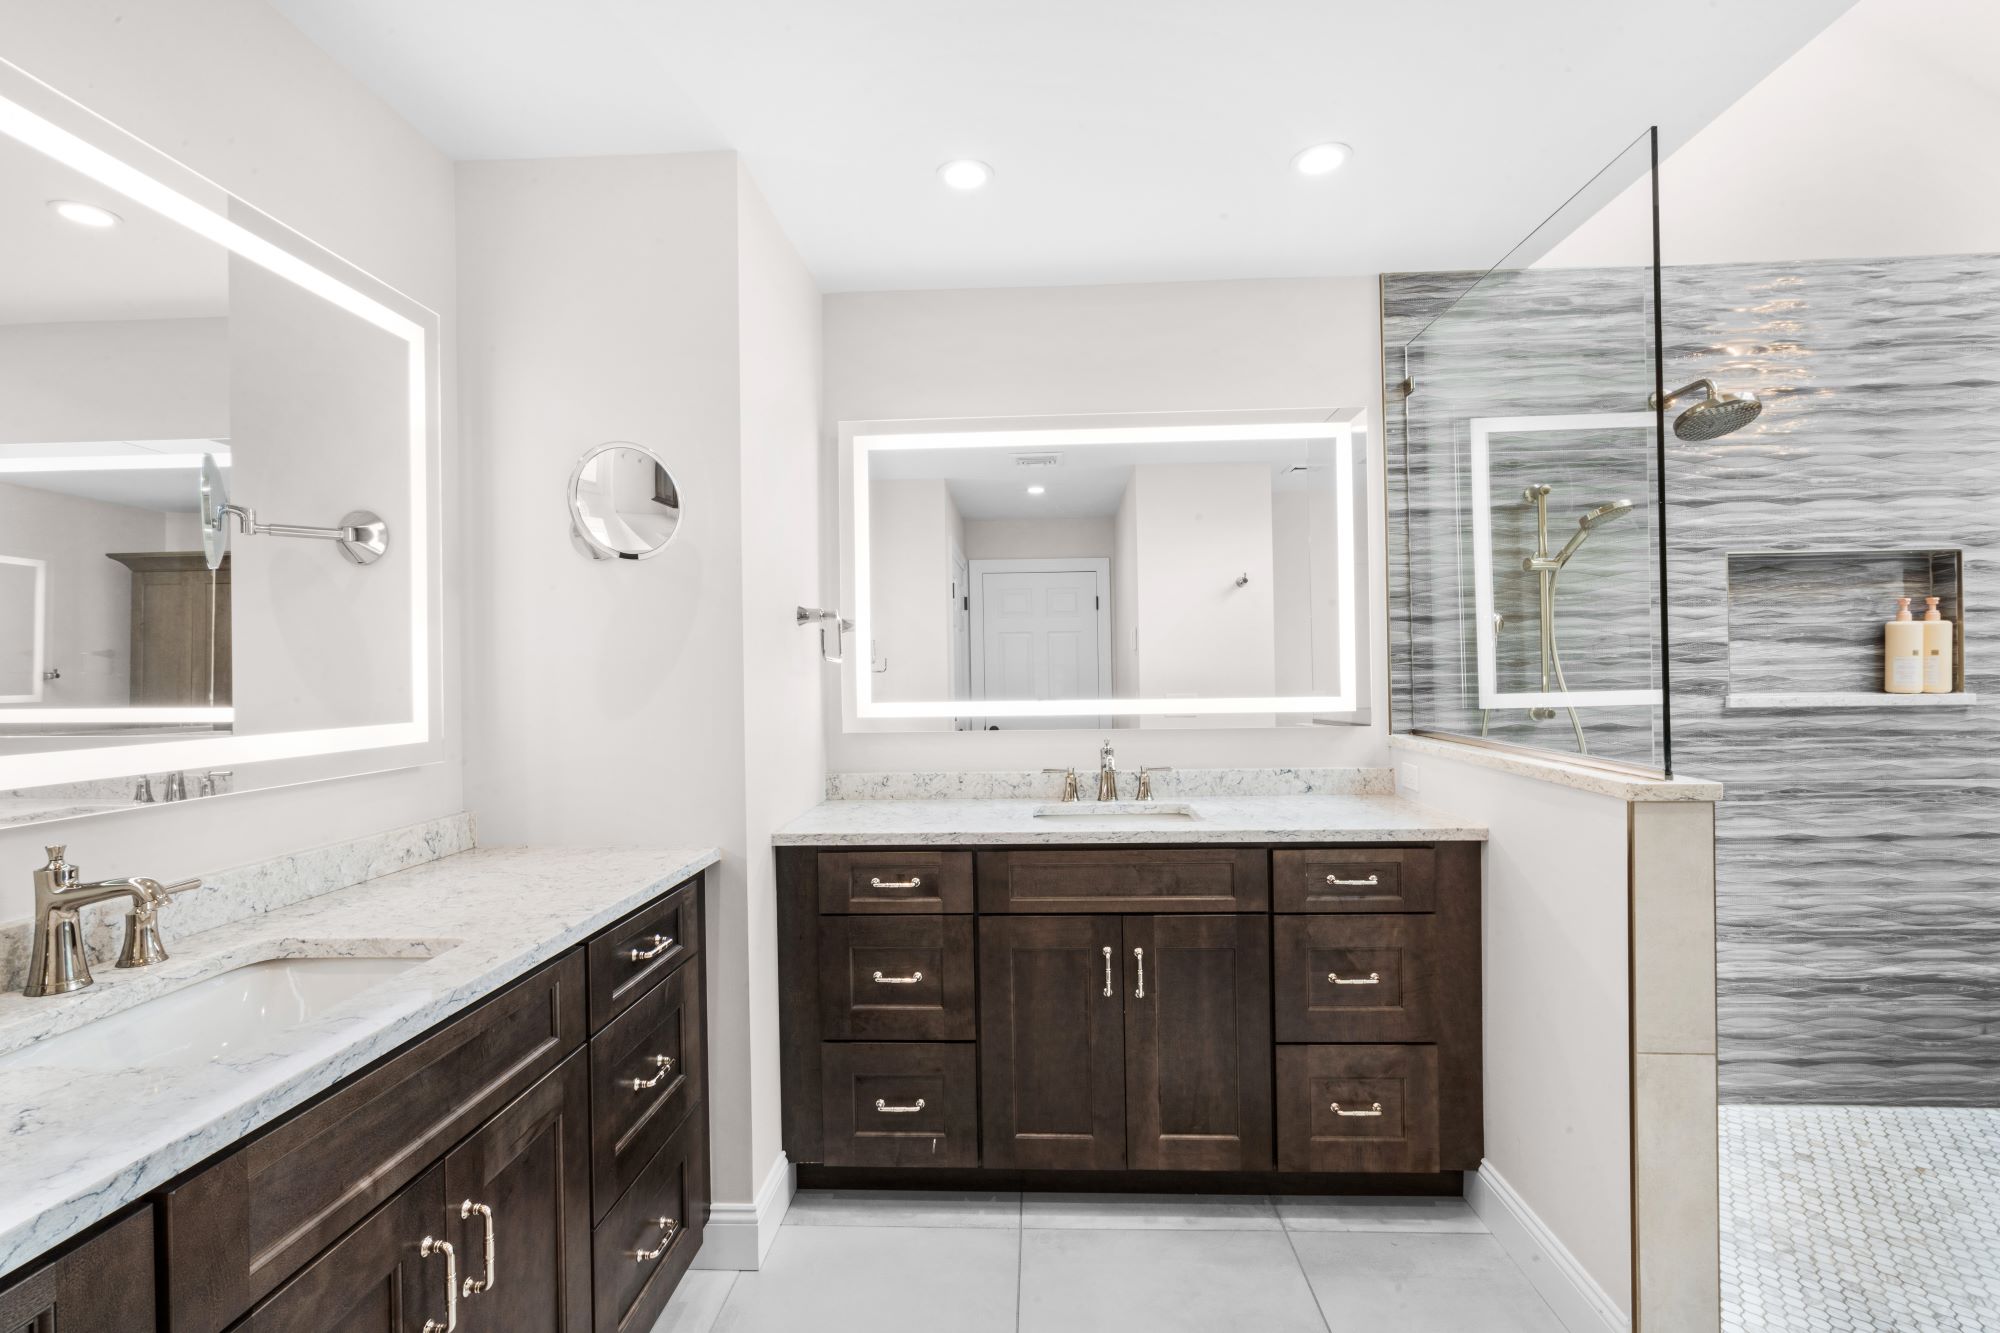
(1581, 1304)
(740, 1234)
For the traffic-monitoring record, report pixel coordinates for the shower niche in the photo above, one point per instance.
(1805, 627)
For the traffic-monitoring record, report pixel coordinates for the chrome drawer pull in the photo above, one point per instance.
(1140, 993)
(913, 882)
(668, 1229)
(1376, 1110)
(910, 980)
(430, 1246)
(1372, 979)
(475, 1285)
(661, 943)
(887, 1109)
(663, 1065)
(1107, 971)
(1340, 883)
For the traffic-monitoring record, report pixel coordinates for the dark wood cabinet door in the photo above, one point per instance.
(104, 1285)
(1052, 1042)
(377, 1278)
(1198, 1043)
(526, 1176)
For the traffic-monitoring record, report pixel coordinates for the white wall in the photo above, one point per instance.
(239, 95)
(121, 379)
(1039, 538)
(1876, 139)
(915, 525)
(1060, 351)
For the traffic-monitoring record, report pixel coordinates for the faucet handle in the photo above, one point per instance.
(143, 945)
(55, 851)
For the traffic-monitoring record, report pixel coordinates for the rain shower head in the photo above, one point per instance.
(1716, 415)
(1604, 513)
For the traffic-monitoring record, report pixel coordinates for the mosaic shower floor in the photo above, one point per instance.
(1854, 1219)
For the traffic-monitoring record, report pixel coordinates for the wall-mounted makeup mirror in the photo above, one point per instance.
(623, 503)
(162, 345)
(1141, 571)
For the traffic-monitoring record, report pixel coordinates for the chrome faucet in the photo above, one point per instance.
(1146, 780)
(59, 963)
(1069, 791)
(177, 789)
(1107, 773)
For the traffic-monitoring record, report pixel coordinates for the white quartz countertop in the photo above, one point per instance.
(1216, 819)
(78, 1146)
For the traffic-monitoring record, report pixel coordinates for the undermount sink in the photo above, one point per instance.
(240, 1013)
(1115, 810)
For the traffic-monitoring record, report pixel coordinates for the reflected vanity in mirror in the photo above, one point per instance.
(623, 503)
(1164, 570)
(162, 347)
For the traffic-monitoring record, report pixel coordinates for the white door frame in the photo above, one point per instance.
(1097, 564)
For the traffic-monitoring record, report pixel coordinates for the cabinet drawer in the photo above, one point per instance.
(895, 882)
(896, 978)
(645, 1076)
(1357, 1108)
(648, 1239)
(104, 1285)
(1355, 978)
(628, 957)
(1354, 879)
(245, 1224)
(901, 1105)
(1192, 879)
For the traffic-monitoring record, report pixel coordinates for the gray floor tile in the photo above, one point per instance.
(1384, 1214)
(903, 1208)
(1149, 1212)
(851, 1279)
(697, 1301)
(1085, 1281)
(1421, 1283)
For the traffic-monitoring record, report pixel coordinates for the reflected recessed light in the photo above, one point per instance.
(1321, 158)
(83, 215)
(965, 174)
(1038, 490)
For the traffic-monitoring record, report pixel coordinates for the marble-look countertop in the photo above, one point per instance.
(991, 823)
(77, 1146)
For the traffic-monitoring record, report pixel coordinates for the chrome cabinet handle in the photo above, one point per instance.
(668, 1227)
(887, 1109)
(473, 1286)
(913, 882)
(1372, 979)
(661, 943)
(1340, 883)
(663, 1065)
(1140, 993)
(910, 980)
(430, 1246)
(1107, 971)
(1375, 1110)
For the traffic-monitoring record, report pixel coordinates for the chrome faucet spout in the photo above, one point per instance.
(1107, 773)
(59, 963)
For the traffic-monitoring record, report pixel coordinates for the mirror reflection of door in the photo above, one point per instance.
(960, 619)
(1043, 631)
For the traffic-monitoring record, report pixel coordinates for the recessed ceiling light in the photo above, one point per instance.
(1321, 158)
(1038, 490)
(83, 215)
(965, 174)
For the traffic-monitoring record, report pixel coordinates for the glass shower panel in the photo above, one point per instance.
(1527, 466)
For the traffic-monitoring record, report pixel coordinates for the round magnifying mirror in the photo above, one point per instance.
(623, 503)
(214, 522)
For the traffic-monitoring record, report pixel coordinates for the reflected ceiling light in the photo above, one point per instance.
(1038, 490)
(1321, 158)
(965, 174)
(84, 215)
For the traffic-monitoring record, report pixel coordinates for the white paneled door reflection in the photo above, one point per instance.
(1041, 628)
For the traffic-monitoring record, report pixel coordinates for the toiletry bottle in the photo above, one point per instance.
(1938, 671)
(1903, 652)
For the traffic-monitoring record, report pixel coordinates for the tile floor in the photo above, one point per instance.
(853, 1262)
(1853, 1219)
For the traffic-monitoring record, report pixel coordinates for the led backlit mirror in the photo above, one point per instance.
(623, 503)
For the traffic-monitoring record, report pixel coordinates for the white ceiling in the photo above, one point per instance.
(98, 474)
(1132, 140)
(1087, 482)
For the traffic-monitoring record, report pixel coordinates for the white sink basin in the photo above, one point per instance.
(240, 1014)
(1115, 810)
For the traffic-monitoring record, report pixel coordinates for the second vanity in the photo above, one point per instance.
(1234, 992)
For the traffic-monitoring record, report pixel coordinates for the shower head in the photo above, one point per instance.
(1716, 415)
(1604, 513)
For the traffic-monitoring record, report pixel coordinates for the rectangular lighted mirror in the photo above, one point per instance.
(1141, 571)
(150, 321)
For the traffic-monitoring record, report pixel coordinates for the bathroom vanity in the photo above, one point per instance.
(1277, 994)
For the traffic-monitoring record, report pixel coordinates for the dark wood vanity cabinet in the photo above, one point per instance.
(102, 1284)
(1309, 1011)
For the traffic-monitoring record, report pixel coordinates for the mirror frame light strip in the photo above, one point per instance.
(37, 132)
(1346, 578)
(1483, 428)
